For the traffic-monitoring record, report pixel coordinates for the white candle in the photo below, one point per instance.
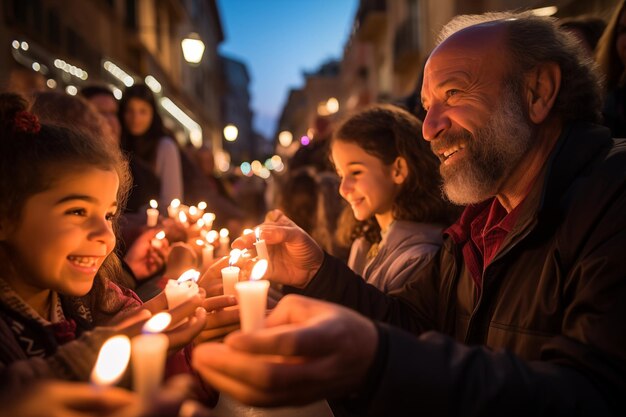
(230, 274)
(224, 241)
(112, 361)
(207, 255)
(149, 355)
(252, 298)
(208, 220)
(157, 240)
(260, 246)
(172, 209)
(152, 214)
(182, 218)
(180, 290)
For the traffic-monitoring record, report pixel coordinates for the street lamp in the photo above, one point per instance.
(193, 48)
(231, 132)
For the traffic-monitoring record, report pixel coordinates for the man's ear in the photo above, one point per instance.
(399, 170)
(542, 87)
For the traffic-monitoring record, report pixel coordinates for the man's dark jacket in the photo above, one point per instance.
(547, 333)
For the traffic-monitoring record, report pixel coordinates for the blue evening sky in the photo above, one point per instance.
(278, 39)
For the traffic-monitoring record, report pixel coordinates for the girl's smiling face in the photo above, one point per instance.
(64, 234)
(367, 183)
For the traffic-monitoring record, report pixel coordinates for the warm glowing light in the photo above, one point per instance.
(157, 323)
(258, 270)
(51, 83)
(189, 275)
(112, 361)
(71, 90)
(154, 204)
(208, 217)
(182, 217)
(160, 235)
(175, 203)
(247, 231)
(153, 84)
(235, 254)
(224, 232)
(332, 105)
(211, 236)
(193, 211)
(545, 11)
(285, 138)
(257, 233)
(202, 205)
(231, 132)
(193, 48)
(199, 242)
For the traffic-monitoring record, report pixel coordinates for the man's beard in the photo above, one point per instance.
(491, 153)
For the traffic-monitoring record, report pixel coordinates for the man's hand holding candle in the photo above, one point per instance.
(294, 257)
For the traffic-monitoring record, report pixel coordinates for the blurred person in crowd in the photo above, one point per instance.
(105, 103)
(611, 59)
(309, 199)
(389, 178)
(522, 311)
(145, 138)
(213, 191)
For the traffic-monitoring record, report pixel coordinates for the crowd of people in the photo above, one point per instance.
(461, 256)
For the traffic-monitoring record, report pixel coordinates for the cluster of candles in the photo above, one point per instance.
(148, 351)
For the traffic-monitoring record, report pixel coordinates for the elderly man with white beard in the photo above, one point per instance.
(522, 312)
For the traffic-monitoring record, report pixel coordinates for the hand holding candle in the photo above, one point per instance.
(180, 290)
(252, 297)
(173, 208)
(112, 361)
(157, 241)
(152, 214)
(149, 355)
(259, 244)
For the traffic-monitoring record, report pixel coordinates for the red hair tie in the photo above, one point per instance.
(26, 122)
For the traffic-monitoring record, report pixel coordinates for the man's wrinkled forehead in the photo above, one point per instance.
(468, 48)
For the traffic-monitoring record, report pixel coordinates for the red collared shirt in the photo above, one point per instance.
(488, 226)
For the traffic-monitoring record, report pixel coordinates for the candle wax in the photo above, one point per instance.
(252, 298)
(230, 276)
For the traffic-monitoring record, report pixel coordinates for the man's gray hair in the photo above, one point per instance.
(534, 40)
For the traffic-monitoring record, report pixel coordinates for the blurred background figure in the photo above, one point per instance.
(147, 141)
(611, 59)
(103, 100)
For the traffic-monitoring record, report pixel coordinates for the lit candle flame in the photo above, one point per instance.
(200, 223)
(189, 275)
(258, 270)
(160, 235)
(202, 205)
(193, 211)
(234, 256)
(182, 217)
(211, 236)
(154, 204)
(199, 242)
(175, 203)
(208, 217)
(112, 361)
(224, 233)
(157, 323)
(247, 231)
(257, 233)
